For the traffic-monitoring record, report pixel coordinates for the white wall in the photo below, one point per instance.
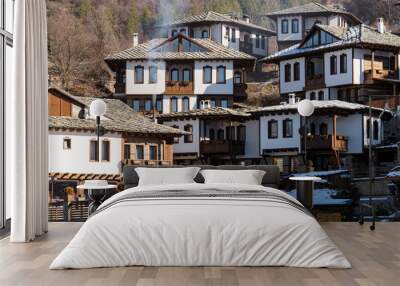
(213, 88)
(146, 87)
(216, 33)
(76, 159)
(339, 78)
(290, 36)
(182, 147)
(167, 102)
(280, 142)
(292, 86)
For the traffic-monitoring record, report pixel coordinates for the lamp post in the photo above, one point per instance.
(98, 108)
(305, 108)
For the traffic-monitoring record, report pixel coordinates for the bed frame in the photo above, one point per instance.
(271, 177)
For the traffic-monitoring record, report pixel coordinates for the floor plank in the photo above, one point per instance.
(375, 257)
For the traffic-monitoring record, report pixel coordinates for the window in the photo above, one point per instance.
(227, 33)
(343, 63)
(233, 37)
(185, 104)
(257, 41)
(340, 94)
(376, 130)
(136, 105)
(174, 33)
(176, 139)
(174, 104)
(174, 74)
(211, 134)
(368, 127)
(105, 151)
(296, 71)
(230, 133)
(241, 133)
(153, 74)
(221, 134)
(127, 151)
(221, 74)
(93, 155)
(321, 95)
(287, 128)
(207, 74)
(204, 34)
(288, 73)
(67, 143)
(312, 95)
(263, 42)
(186, 75)
(159, 105)
(333, 61)
(295, 26)
(139, 152)
(148, 105)
(153, 152)
(188, 138)
(285, 26)
(323, 129)
(312, 128)
(237, 77)
(139, 74)
(272, 129)
(224, 103)
(212, 103)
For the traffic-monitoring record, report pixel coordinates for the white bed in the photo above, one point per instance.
(224, 225)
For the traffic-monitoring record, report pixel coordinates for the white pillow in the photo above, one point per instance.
(166, 176)
(246, 177)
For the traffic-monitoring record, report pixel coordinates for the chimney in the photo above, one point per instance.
(246, 18)
(292, 98)
(380, 25)
(135, 40)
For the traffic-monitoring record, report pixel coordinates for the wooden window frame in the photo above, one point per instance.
(96, 154)
(224, 68)
(240, 75)
(177, 72)
(130, 151)
(343, 63)
(270, 122)
(285, 131)
(205, 68)
(238, 128)
(288, 72)
(109, 150)
(296, 71)
(152, 81)
(233, 35)
(136, 74)
(136, 153)
(297, 26)
(333, 64)
(321, 95)
(284, 31)
(183, 103)
(190, 75)
(156, 152)
(170, 104)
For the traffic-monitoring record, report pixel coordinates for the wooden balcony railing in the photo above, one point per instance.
(179, 87)
(379, 74)
(222, 147)
(316, 82)
(327, 143)
(119, 87)
(147, 162)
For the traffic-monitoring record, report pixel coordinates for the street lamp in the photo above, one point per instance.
(98, 108)
(305, 108)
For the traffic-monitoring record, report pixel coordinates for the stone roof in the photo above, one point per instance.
(362, 36)
(312, 9)
(214, 51)
(213, 112)
(214, 17)
(119, 117)
(320, 105)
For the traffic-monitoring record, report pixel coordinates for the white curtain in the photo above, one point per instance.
(27, 126)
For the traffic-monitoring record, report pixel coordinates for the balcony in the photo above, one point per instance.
(315, 82)
(146, 162)
(327, 143)
(179, 87)
(226, 147)
(120, 87)
(379, 74)
(240, 90)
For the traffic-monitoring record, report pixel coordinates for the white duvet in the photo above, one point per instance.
(200, 231)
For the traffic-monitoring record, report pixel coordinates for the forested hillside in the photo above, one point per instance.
(82, 32)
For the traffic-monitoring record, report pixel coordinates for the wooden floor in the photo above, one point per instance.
(375, 257)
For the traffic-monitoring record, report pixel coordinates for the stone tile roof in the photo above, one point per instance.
(314, 8)
(362, 36)
(214, 17)
(119, 117)
(213, 112)
(215, 51)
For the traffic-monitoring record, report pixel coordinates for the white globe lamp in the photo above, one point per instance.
(305, 108)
